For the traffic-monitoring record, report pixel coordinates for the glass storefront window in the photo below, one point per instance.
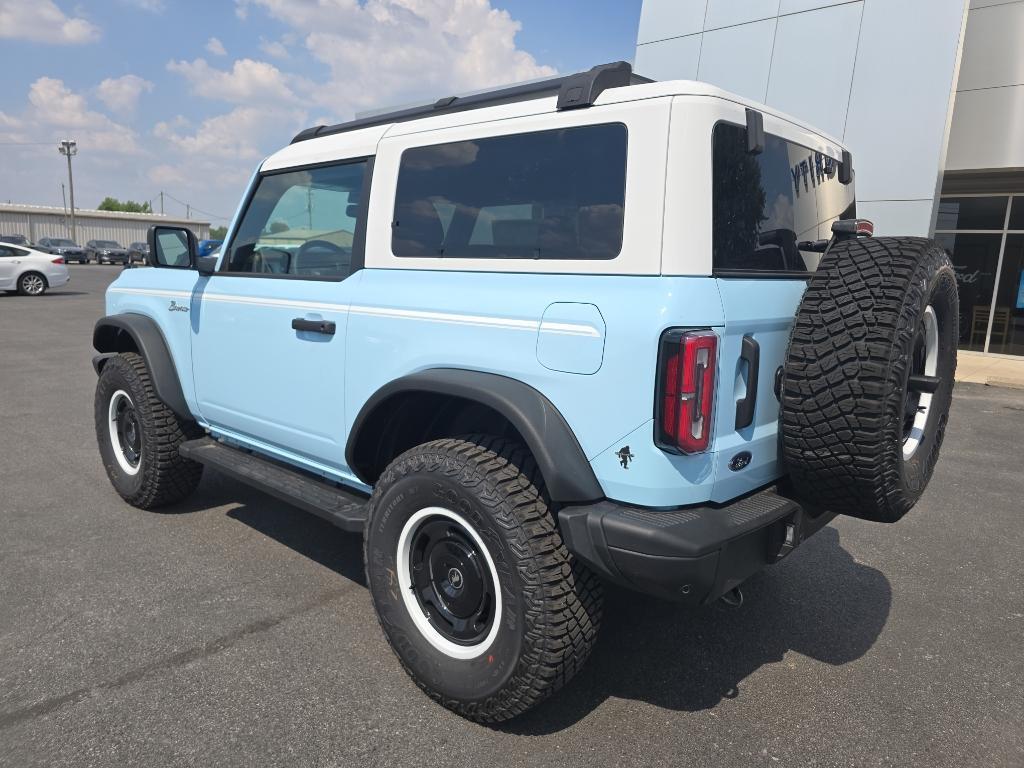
(972, 213)
(975, 258)
(987, 249)
(1017, 213)
(1008, 321)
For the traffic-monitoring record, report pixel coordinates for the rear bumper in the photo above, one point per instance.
(693, 554)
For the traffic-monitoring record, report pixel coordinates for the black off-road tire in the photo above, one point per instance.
(550, 604)
(847, 375)
(163, 476)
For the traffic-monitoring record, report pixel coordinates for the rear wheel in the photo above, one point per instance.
(868, 378)
(139, 436)
(475, 591)
(32, 284)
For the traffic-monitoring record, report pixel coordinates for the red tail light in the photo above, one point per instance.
(686, 390)
(59, 260)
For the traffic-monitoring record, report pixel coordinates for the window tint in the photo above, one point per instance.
(6, 251)
(547, 195)
(300, 223)
(767, 203)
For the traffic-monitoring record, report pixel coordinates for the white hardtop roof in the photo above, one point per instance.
(363, 142)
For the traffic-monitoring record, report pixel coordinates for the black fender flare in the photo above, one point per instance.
(562, 462)
(107, 339)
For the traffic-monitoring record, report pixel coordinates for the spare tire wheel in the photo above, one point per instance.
(868, 376)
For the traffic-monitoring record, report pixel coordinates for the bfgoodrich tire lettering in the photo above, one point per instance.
(550, 607)
(155, 474)
(877, 316)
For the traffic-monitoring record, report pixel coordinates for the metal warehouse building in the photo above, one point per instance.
(39, 221)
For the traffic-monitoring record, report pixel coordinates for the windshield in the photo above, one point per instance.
(59, 242)
(106, 244)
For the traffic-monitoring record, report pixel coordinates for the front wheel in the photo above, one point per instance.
(473, 586)
(139, 436)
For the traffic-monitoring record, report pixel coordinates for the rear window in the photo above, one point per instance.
(765, 204)
(546, 195)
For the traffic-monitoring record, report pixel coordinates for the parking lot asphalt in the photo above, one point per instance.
(235, 630)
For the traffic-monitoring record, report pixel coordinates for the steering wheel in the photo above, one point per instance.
(327, 244)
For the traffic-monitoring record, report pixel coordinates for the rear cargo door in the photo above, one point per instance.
(764, 205)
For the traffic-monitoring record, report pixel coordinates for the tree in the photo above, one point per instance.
(128, 206)
(218, 233)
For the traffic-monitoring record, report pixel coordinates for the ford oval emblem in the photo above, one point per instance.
(740, 461)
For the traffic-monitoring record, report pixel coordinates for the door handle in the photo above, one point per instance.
(751, 353)
(326, 327)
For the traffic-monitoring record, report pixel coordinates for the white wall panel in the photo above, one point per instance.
(744, 73)
(994, 48)
(897, 217)
(988, 130)
(674, 59)
(662, 19)
(726, 13)
(799, 6)
(813, 65)
(900, 100)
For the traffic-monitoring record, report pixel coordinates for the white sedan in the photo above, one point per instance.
(30, 272)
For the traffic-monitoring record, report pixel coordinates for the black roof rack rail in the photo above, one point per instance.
(574, 91)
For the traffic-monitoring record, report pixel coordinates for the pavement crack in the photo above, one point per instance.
(183, 658)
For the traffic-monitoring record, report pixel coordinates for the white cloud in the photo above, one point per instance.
(55, 109)
(216, 47)
(153, 6)
(274, 48)
(247, 82)
(121, 94)
(236, 135)
(44, 21)
(383, 52)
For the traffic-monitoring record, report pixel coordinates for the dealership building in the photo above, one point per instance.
(38, 221)
(927, 94)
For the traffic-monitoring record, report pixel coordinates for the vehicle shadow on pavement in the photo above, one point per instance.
(820, 603)
(300, 531)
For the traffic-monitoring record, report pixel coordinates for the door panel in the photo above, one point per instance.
(258, 377)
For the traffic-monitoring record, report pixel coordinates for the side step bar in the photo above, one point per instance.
(346, 509)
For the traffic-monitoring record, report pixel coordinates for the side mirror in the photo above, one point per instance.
(171, 247)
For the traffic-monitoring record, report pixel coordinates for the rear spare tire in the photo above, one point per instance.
(868, 376)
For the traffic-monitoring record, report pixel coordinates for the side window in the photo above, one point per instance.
(5, 251)
(300, 223)
(546, 195)
(763, 205)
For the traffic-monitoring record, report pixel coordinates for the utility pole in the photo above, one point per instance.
(69, 148)
(64, 197)
(188, 211)
(161, 203)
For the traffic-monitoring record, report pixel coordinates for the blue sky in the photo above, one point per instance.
(187, 96)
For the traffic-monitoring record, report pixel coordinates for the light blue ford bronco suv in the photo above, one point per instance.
(595, 328)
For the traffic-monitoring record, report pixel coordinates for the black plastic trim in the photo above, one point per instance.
(756, 140)
(691, 554)
(750, 352)
(150, 342)
(747, 274)
(566, 471)
(505, 95)
(326, 327)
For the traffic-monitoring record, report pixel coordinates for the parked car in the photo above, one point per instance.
(106, 252)
(15, 240)
(138, 252)
(61, 246)
(30, 272)
(591, 328)
(207, 247)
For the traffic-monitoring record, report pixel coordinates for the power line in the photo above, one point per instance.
(197, 210)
